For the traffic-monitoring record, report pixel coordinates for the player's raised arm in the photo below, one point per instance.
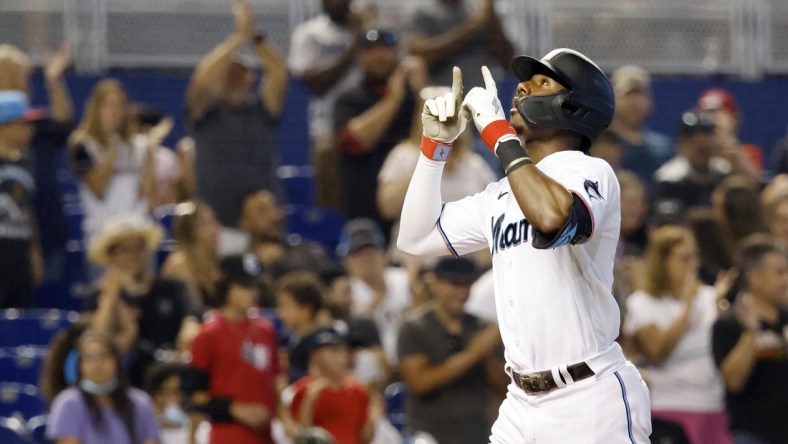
(442, 122)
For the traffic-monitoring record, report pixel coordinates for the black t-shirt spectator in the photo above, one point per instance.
(359, 168)
(762, 406)
(161, 313)
(16, 233)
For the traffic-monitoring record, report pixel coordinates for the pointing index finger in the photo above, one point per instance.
(489, 83)
(456, 84)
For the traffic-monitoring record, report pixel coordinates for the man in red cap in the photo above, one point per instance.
(722, 109)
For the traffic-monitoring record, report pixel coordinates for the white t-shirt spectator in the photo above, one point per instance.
(122, 193)
(687, 380)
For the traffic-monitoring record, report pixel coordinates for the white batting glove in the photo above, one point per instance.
(442, 120)
(484, 107)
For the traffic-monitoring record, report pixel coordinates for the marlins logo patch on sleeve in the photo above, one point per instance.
(592, 189)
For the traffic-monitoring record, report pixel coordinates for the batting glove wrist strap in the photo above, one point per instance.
(494, 131)
(435, 150)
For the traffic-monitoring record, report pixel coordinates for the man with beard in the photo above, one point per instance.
(264, 221)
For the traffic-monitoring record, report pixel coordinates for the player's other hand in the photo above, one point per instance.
(484, 107)
(252, 415)
(442, 120)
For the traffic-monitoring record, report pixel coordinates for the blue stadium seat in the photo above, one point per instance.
(395, 395)
(20, 400)
(13, 431)
(37, 427)
(315, 224)
(297, 183)
(22, 364)
(32, 327)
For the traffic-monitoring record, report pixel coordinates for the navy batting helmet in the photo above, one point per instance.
(586, 108)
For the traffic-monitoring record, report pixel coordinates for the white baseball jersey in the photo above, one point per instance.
(554, 306)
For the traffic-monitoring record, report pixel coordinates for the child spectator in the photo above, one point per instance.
(20, 256)
(300, 299)
(115, 169)
(163, 384)
(329, 398)
(234, 372)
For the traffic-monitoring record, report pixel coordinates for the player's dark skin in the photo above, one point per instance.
(544, 202)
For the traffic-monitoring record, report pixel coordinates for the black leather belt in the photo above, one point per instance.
(541, 382)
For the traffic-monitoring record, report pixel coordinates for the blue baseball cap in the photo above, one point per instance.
(14, 106)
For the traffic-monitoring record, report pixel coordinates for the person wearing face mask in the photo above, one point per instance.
(163, 384)
(101, 407)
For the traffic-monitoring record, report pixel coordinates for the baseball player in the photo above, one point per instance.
(551, 225)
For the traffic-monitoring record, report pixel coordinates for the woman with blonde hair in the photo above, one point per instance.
(195, 260)
(115, 170)
(669, 321)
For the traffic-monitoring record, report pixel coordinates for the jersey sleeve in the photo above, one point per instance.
(462, 223)
(594, 189)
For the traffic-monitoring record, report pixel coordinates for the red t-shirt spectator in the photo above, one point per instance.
(241, 358)
(341, 412)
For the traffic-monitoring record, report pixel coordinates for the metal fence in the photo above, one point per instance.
(746, 38)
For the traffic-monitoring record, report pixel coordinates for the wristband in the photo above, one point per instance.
(218, 409)
(435, 150)
(512, 156)
(494, 131)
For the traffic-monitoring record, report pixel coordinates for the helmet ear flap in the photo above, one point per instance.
(544, 110)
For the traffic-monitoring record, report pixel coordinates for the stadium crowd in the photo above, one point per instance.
(241, 333)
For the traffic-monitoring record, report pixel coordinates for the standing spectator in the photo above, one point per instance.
(20, 254)
(115, 169)
(48, 143)
(690, 176)
(644, 150)
(153, 313)
(322, 54)
(371, 118)
(445, 34)
(751, 348)
(102, 408)
(745, 158)
(379, 291)
(234, 372)
(195, 260)
(330, 399)
(670, 321)
(235, 131)
(446, 359)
